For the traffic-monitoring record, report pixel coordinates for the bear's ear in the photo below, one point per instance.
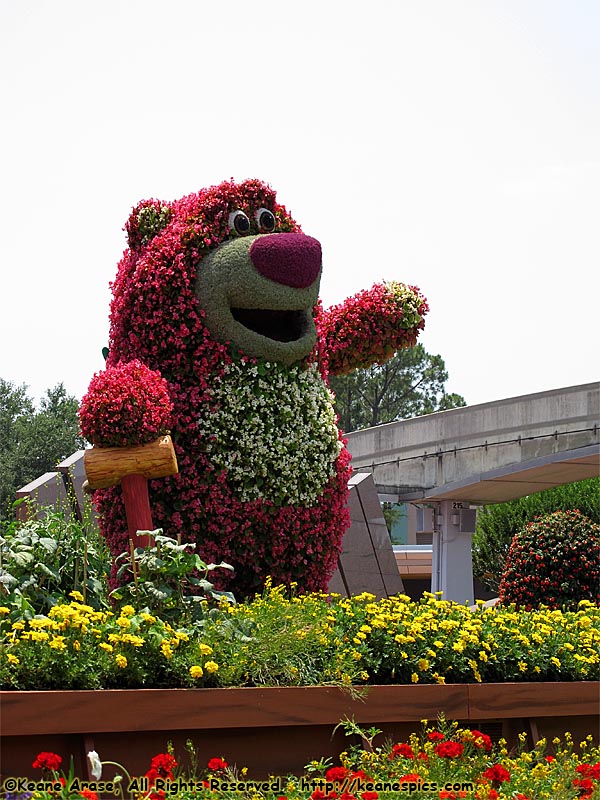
(146, 220)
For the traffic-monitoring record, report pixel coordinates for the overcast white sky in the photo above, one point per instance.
(451, 144)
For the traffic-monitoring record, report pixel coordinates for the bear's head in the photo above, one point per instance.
(228, 263)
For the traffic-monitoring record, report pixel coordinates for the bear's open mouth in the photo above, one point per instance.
(281, 326)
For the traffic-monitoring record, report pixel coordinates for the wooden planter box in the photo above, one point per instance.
(269, 730)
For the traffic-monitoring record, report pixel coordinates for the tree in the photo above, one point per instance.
(408, 385)
(554, 560)
(33, 441)
(497, 524)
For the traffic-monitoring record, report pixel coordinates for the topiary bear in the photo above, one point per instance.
(217, 298)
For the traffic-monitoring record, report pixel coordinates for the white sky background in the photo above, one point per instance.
(450, 144)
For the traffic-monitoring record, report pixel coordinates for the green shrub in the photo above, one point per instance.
(497, 524)
(554, 561)
(42, 560)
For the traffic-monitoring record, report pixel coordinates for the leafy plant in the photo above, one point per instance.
(555, 561)
(167, 579)
(43, 559)
(497, 524)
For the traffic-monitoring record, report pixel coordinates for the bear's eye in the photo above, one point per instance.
(265, 219)
(239, 222)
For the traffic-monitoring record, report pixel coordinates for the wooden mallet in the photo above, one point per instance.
(132, 467)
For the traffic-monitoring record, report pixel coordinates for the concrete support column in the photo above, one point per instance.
(452, 566)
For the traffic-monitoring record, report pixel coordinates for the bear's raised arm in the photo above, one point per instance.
(369, 327)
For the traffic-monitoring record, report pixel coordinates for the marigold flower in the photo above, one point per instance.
(47, 760)
(337, 774)
(449, 749)
(211, 666)
(196, 671)
(121, 661)
(216, 764)
(497, 773)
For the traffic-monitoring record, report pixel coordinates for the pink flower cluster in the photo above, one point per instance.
(371, 326)
(126, 404)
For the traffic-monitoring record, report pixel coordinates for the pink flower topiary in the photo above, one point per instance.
(225, 307)
(126, 404)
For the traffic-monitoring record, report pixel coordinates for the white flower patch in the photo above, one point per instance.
(273, 429)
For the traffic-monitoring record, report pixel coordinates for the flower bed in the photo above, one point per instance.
(242, 681)
(309, 640)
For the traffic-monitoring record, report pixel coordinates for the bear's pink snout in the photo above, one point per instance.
(292, 259)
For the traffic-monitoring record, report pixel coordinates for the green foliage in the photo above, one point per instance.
(167, 579)
(33, 441)
(42, 560)
(554, 561)
(497, 524)
(410, 384)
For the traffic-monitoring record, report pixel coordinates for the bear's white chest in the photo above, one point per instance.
(272, 429)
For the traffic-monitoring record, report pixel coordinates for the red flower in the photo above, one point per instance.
(402, 749)
(47, 761)
(497, 773)
(412, 777)
(589, 770)
(88, 794)
(449, 749)
(337, 774)
(163, 765)
(482, 740)
(435, 736)
(215, 764)
(369, 795)
(585, 786)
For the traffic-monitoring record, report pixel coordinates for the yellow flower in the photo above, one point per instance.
(205, 650)
(148, 618)
(414, 677)
(128, 611)
(76, 596)
(105, 646)
(12, 659)
(121, 661)
(58, 643)
(4, 610)
(76, 645)
(123, 622)
(129, 638)
(211, 666)
(196, 671)
(166, 649)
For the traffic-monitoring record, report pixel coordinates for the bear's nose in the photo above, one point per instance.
(292, 259)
